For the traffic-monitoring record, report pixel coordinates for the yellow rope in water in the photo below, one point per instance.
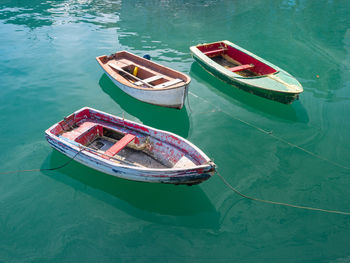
(290, 144)
(44, 169)
(270, 133)
(279, 203)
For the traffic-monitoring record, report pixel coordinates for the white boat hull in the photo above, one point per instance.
(146, 80)
(172, 98)
(168, 176)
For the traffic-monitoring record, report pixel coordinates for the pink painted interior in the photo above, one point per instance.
(92, 123)
(84, 114)
(89, 135)
(82, 129)
(215, 49)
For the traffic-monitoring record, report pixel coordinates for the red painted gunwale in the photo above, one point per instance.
(161, 145)
(92, 122)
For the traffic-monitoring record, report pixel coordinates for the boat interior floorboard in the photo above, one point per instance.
(139, 158)
(143, 72)
(224, 62)
(227, 62)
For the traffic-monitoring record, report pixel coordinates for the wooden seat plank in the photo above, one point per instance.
(148, 80)
(168, 83)
(211, 52)
(84, 127)
(119, 145)
(241, 67)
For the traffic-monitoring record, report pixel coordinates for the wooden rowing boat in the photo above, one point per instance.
(129, 150)
(249, 72)
(145, 80)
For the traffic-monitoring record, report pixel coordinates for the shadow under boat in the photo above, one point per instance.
(174, 205)
(168, 119)
(292, 112)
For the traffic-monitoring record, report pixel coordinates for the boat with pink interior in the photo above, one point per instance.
(129, 150)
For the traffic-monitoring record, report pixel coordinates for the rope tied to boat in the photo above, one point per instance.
(220, 176)
(45, 169)
(270, 133)
(290, 87)
(279, 203)
(81, 148)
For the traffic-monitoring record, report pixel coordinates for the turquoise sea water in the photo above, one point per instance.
(76, 214)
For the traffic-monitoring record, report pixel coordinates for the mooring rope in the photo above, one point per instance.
(279, 203)
(45, 169)
(188, 102)
(270, 133)
(220, 176)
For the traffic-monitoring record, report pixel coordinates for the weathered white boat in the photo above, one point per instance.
(128, 149)
(146, 80)
(247, 71)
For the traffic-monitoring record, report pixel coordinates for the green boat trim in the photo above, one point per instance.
(280, 97)
(279, 84)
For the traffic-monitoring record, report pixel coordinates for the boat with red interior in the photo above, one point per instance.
(129, 150)
(247, 71)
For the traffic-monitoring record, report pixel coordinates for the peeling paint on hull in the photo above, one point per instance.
(189, 175)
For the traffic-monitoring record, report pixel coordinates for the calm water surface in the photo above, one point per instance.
(48, 70)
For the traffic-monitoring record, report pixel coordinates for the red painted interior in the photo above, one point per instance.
(56, 130)
(119, 145)
(214, 49)
(106, 118)
(89, 135)
(137, 127)
(82, 129)
(67, 122)
(84, 114)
